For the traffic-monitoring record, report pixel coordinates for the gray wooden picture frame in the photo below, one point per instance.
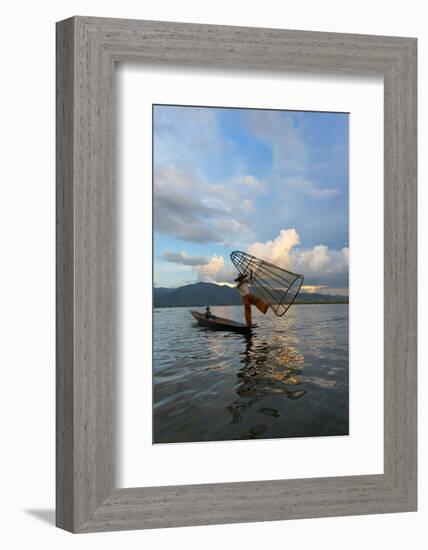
(87, 50)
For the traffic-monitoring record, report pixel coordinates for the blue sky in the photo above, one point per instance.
(273, 183)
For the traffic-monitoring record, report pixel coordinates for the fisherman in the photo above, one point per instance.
(208, 314)
(248, 298)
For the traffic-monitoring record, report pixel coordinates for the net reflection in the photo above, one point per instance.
(267, 370)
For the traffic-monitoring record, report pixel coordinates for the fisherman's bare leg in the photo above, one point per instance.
(248, 316)
(247, 310)
(260, 304)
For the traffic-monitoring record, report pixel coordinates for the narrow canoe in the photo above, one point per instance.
(219, 323)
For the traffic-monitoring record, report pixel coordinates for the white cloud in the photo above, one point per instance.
(216, 271)
(183, 258)
(278, 250)
(278, 130)
(320, 265)
(321, 260)
(248, 182)
(315, 259)
(183, 133)
(192, 209)
(307, 187)
(324, 270)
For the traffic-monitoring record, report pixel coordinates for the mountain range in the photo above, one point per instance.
(209, 294)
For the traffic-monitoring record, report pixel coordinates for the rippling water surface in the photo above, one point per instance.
(288, 379)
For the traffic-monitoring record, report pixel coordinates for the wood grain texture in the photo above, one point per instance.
(64, 276)
(87, 49)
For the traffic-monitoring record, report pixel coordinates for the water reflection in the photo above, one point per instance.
(264, 374)
(288, 379)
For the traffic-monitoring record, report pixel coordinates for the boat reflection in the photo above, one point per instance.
(267, 370)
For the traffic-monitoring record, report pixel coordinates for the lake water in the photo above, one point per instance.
(288, 379)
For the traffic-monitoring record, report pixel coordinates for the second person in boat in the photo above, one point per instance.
(208, 314)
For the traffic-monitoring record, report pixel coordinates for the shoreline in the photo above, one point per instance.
(238, 305)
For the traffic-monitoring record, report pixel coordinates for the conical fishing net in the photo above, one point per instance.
(275, 285)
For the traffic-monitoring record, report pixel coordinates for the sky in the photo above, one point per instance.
(269, 182)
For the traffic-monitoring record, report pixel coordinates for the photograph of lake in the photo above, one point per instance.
(250, 274)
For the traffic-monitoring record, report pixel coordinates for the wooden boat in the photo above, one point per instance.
(219, 323)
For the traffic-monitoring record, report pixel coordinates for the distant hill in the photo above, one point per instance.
(162, 291)
(209, 294)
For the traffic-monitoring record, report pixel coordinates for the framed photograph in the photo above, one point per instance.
(236, 274)
(235, 177)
